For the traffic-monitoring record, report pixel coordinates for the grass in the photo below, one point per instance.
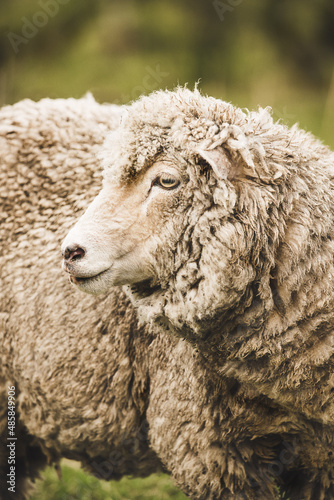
(76, 485)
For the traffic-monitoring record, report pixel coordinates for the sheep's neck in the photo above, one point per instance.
(287, 353)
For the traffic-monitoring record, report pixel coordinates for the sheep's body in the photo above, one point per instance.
(274, 220)
(237, 257)
(91, 384)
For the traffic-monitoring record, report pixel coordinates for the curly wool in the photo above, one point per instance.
(92, 384)
(247, 270)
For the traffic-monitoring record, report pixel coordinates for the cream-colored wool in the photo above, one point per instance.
(238, 259)
(246, 270)
(92, 384)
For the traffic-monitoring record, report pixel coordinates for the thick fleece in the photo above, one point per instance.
(247, 271)
(242, 261)
(92, 384)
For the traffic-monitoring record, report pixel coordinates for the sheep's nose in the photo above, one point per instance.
(74, 252)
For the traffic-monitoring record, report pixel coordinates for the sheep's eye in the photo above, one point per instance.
(166, 182)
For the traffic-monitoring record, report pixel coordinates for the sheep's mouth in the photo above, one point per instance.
(76, 280)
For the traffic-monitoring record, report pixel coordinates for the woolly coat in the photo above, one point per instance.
(246, 273)
(249, 276)
(93, 385)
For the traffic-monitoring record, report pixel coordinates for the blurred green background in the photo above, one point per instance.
(248, 52)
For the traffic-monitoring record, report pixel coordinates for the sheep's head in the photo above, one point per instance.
(169, 220)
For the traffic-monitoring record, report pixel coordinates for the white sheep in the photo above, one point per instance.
(220, 222)
(91, 384)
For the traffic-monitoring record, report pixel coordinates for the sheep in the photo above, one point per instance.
(218, 223)
(91, 382)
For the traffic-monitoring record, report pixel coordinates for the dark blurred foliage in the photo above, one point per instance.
(304, 32)
(277, 52)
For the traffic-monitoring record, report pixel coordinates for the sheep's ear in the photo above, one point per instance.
(221, 162)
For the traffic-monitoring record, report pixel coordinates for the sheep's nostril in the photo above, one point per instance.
(74, 252)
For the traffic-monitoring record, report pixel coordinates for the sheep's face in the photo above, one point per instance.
(114, 241)
(166, 233)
